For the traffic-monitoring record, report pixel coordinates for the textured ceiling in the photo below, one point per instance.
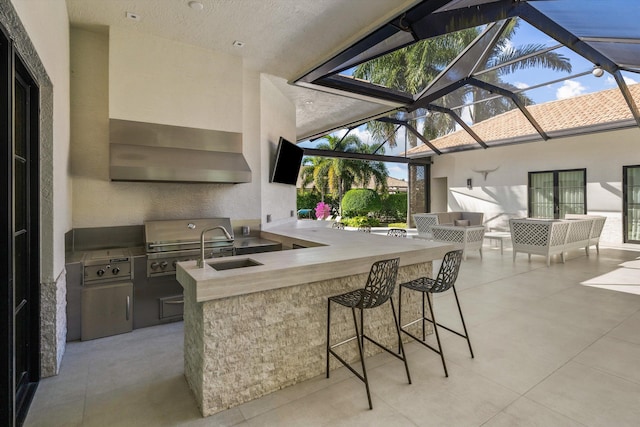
(282, 38)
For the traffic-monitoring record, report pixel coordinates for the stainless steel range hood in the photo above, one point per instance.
(154, 152)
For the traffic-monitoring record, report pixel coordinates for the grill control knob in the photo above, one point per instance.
(164, 264)
(115, 271)
(154, 265)
(100, 273)
(174, 263)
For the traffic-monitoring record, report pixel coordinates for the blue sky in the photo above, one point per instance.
(525, 34)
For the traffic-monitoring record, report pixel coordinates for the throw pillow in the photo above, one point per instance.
(462, 222)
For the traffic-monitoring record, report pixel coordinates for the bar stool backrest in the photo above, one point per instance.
(380, 283)
(397, 232)
(448, 271)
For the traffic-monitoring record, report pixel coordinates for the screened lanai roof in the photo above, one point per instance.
(445, 67)
(599, 110)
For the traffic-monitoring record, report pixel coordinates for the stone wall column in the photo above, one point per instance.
(53, 324)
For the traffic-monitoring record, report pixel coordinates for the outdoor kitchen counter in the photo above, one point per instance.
(327, 254)
(255, 330)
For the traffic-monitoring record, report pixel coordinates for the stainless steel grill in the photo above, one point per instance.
(107, 293)
(171, 241)
(107, 265)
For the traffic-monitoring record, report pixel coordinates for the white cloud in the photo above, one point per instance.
(397, 170)
(362, 133)
(521, 85)
(569, 89)
(628, 80)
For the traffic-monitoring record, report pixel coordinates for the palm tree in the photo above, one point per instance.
(315, 170)
(412, 68)
(339, 175)
(372, 170)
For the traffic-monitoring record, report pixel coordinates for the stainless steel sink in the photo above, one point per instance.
(231, 264)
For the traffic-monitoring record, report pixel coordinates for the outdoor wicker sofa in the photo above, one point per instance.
(550, 237)
(424, 221)
(463, 229)
(596, 228)
(462, 237)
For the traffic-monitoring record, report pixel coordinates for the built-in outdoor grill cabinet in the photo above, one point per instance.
(167, 242)
(107, 293)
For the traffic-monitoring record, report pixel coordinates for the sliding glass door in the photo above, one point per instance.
(553, 194)
(631, 208)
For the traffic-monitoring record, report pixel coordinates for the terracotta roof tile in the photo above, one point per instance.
(580, 111)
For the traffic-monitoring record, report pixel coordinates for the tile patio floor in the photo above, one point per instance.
(554, 347)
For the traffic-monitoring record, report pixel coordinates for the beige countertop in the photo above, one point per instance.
(328, 254)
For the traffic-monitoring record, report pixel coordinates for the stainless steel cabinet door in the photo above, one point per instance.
(107, 310)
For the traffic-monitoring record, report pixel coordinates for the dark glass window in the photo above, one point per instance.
(631, 190)
(553, 194)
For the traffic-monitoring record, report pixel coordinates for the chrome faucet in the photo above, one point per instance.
(226, 233)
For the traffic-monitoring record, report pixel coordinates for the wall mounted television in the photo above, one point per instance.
(287, 164)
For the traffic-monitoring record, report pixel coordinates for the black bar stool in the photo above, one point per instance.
(446, 279)
(378, 289)
(397, 232)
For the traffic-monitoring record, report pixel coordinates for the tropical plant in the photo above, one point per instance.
(412, 68)
(338, 175)
(359, 221)
(397, 225)
(307, 199)
(315, 170)
(360, 201)
(323, 210)
(394, 206)
(372, 170)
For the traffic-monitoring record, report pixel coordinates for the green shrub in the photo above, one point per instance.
(358, 221)
(394, 207)
(309, 200)
(397, 225)
(360, 202)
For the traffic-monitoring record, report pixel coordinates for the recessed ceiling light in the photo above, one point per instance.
(238, 43)
(196, 5)
(132, 16)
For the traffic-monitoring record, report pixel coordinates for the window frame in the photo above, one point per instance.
(625, 204)
(556, 190)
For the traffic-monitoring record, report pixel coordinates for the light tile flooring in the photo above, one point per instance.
(554, 347)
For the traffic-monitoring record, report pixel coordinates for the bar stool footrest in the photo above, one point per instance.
(393, 353)
(348, 366)
(422, 342)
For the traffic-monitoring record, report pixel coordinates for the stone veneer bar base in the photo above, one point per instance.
(241, 348)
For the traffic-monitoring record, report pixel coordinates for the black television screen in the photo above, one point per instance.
(288, 161)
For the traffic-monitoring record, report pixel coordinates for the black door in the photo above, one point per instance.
(20, 265)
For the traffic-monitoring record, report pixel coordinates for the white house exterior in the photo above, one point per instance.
(503, 194)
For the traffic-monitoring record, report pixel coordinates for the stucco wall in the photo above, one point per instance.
(277, 119)
(504, 193)
(162, 81)
(133, 76)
